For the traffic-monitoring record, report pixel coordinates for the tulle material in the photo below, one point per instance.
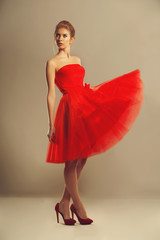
(90, 121)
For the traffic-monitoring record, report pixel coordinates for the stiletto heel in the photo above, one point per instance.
(69, 221)
(72, 215)
(81, 220)
(57, 217)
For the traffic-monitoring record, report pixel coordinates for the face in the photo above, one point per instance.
(63, 36)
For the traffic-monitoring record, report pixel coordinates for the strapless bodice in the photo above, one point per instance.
(70, 77)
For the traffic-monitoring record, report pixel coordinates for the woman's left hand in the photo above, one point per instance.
(51, 134)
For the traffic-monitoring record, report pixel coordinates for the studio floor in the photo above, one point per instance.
(34, 218)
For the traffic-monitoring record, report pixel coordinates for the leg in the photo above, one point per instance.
(80, 164)
(72, 173)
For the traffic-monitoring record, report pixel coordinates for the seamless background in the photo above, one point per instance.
(112, 38)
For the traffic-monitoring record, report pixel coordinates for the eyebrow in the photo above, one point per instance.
(63, 33)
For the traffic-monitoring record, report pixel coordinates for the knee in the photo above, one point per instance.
(71, 164)
(81, 162)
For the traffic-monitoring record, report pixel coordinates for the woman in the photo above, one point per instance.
(72, 170)
(88, 121)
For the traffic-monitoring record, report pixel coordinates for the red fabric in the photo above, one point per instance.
(90, 121)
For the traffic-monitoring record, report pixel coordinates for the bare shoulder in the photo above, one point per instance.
(77, 59)
(50, 71)
(55, 62)
(51, 63)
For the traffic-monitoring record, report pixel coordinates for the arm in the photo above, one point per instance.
(51, 96)
(92, 88)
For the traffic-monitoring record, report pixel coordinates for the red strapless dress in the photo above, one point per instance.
(90, 121)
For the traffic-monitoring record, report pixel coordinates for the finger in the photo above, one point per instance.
(53, 136)
(51, 140)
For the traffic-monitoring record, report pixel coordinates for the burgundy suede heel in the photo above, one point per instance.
(70, 221)
(81, 220)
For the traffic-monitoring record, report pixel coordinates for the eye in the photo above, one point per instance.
(65, 35)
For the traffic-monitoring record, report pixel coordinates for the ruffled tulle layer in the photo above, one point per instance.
(90, 121)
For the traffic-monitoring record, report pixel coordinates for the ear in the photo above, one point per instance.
(72, 39)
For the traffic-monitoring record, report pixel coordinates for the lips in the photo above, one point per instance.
(60, 43)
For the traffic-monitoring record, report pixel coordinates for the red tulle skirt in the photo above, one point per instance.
(90, 121)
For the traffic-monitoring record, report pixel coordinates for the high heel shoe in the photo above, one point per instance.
(69, 221)
(81, 220)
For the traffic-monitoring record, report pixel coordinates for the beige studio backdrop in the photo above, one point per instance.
(113, 37)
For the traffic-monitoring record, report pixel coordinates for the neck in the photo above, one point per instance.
(64, 52)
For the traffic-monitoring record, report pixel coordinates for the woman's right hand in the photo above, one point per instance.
(51, 134)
